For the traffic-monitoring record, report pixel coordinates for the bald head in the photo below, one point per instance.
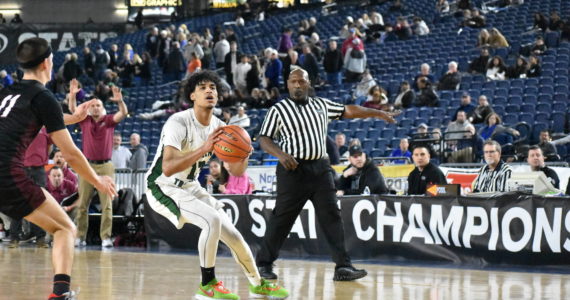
(298, 85)
(135, 139)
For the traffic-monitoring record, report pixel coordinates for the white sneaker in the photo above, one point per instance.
(107, 243)
(80, 243)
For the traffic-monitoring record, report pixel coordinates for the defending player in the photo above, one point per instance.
(24, 108)
(186, 145)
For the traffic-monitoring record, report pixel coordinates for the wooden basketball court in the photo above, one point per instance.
(117, 274)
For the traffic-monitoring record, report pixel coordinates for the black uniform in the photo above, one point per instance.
(300, 130)
(24, 108)
(418, 180)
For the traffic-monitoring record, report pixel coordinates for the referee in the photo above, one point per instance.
(295, 131)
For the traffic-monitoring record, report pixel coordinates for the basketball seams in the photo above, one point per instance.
(232, 141)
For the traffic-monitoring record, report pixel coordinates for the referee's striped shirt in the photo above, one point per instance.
(300, 130)
(493, 181)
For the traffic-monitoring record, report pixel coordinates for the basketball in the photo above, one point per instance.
(234, 144)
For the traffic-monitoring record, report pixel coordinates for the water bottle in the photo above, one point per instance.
(366, 191)
(210, 188)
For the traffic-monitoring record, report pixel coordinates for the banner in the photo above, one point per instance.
(62, 37)
(508, 228)
(396, 176)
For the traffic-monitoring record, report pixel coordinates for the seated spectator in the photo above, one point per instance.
(361, 176)
(479, 65)
(402, 151)
(241, 118)
(121, 154)
(420, 27)
(470, 147)
(481, 112)
(493, 127)
(215, 177)
(519, 69)
(556, 23)
(424, 173)
(6, 79)
(456, 128)
(493, 176)
(425, 72)
(536, 163)
(236, 185)
(476, 20)
(548, 149)
(540, 22)
(534, 69)
(363, 87)
(61, 188)
(340, 141)
(483, 38)
(402, 28)
(378, 99)
(497, 40)
(451, 80)
(465, 106)
(406, 97)
(139, 153)
(496, 70)
(442, 6)
(426, 96)
(538, 48)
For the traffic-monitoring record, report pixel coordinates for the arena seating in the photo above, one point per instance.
(531, 104)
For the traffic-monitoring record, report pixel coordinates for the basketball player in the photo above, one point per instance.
(186, 145)
(24, 108)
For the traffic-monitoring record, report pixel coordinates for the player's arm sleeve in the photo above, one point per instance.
(271, 124)
(334, 110)
(48, 110)
(173, 133)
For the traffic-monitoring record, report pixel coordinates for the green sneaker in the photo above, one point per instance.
(215, 290)
(268, 290)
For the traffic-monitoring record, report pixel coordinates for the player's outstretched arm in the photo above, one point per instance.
(79, 163)
(357, 111)
(174, 161)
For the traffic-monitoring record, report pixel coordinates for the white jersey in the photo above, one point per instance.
(183, 132)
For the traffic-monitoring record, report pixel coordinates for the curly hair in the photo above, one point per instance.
(189, 85)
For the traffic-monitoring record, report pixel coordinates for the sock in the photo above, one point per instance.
(61, 284)
(207, 275)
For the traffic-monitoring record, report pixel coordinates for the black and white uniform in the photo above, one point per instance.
(300, 130)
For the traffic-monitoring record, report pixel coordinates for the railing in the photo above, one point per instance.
(133, 179)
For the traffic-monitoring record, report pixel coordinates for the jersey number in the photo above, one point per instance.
(7, 105)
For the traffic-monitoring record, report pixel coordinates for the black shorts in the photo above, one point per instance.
(19, 196)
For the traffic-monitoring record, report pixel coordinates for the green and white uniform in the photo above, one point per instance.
(181, 199)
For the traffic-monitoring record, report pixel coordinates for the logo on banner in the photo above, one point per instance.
(3, 42)
(231, 210)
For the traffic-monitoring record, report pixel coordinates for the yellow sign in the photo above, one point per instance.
(224, 3)
(153, 3)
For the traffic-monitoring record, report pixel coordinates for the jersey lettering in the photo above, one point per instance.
(7, 104)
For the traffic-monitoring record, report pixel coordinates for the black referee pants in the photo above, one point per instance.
(311, 180)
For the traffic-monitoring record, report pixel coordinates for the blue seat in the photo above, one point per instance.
(561, 89)
(381, 144)
(510, 119)
(387, 134)
(558, 121)
(542, 117)
(544, 98)
(558, 106)
(543, 107)
(500, 101)
(536, 129)
(558, 97)
(511, 109)
(546, 89)
(526, 117)
(531, 90)
(515, 100)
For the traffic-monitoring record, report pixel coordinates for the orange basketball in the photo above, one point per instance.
(234, 144)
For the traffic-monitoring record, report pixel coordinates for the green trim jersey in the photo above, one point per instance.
(183, 132)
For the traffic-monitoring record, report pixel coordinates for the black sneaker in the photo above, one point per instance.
(266, 272)
(348, 274)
